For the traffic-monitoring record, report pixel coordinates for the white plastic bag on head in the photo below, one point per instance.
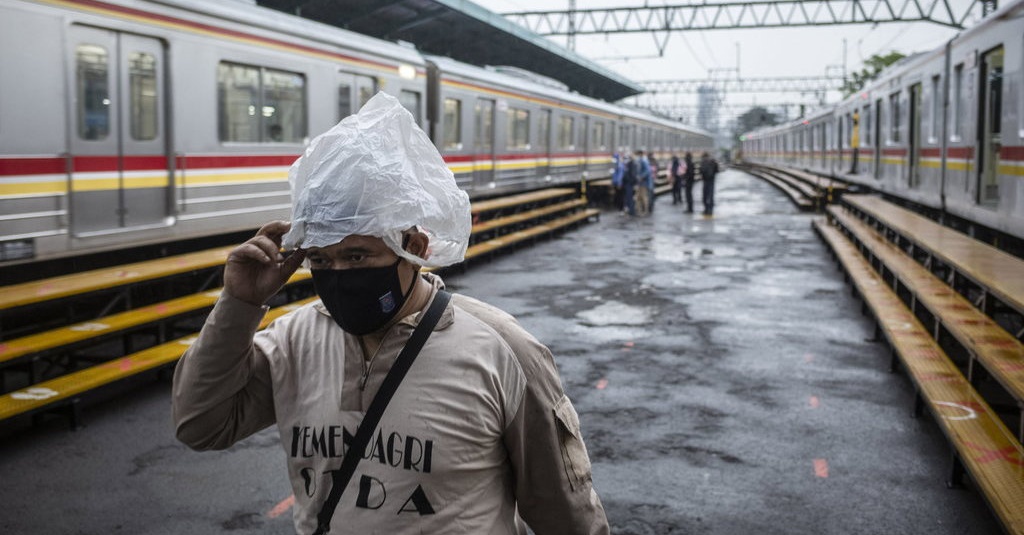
(376, 173)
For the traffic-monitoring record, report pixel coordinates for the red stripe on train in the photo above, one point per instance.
(962, 153)
(93, 164)
(207, 162)
(1012, 153)
(31, 166)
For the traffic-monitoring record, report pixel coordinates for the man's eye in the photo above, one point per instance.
(316, 261)
(355, 258)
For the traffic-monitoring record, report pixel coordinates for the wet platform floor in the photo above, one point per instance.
(724, 375)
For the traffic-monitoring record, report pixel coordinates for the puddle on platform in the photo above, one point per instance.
(615, 313)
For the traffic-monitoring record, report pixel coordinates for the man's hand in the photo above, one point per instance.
(256, 270)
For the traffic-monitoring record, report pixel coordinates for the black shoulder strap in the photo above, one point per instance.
(341, 477)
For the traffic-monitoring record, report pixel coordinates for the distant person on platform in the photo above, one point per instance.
(855, 141)
(689, 172)
(477, 438)
(618, 169)
(645, 182)
(677, 180)
(630, 172)
(708, 170)
(652, 164)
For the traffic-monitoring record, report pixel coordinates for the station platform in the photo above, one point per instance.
(725, 378)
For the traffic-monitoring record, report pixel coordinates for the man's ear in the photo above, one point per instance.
(415, 242)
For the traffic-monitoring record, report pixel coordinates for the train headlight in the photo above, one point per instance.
(407, 71)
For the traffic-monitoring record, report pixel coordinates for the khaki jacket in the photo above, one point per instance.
(479, 429)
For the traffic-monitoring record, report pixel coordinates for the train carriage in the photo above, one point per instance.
(124, 122)
(941, 129)
(506, 130)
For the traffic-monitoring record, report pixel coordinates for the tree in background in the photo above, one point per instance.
(872, 67)
(752, 119)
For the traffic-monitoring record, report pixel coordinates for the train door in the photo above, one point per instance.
(989, 127)
(823, 144)
(914, 139)
(585, 144)
(483, 128)
(544, 144)
(119, 170)
(877, 136)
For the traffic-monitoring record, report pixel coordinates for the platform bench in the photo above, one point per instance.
(983, 445)
(986, 342)
(65, 391)
(28, 350)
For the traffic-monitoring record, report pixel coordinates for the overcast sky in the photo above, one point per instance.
(798, 51)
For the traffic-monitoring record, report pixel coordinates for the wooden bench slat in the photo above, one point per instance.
(102, 279)
(815, 180)
(995, 348)
(522, 198)
(808, 191)
(67, 386)
(794, 194)
(998, 272)
(988, 450)
(526, 216)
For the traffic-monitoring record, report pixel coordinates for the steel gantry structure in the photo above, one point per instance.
(782, 84)
(744, 14)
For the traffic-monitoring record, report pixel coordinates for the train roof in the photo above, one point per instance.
(249, 14)
(1000, 15)
(526, 86)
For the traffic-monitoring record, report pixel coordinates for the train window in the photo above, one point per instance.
(866, 125)
(344, 101)
(238, 95)
(142, 96)
(260, 105)
(958, 86)
(518, 129)
(367, 88)
(565, 132)
(452, 124)
(848, 133)
(91, 79)
(894, 118)
(544, 130)
(485, 126)
(410, 100)
(284, 106)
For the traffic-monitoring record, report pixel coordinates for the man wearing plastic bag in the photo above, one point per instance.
(479, 435)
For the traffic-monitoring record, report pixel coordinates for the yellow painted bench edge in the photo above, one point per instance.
(40, 395)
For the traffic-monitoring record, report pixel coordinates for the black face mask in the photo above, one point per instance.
(361, 300)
